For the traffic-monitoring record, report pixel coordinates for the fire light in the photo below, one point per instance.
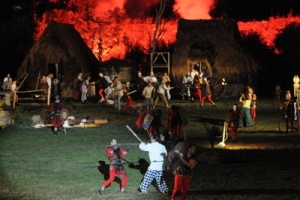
(296, 81)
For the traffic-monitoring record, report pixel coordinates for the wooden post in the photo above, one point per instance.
(14, 98)
(48, 96)
(7, 98)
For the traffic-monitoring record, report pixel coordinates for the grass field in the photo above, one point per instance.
(34, 164)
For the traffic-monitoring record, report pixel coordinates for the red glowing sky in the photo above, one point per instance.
(115, 34)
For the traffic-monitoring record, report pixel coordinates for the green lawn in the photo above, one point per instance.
(263, 164)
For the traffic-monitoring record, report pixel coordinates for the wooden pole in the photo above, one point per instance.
(48, 96)
(38, 80)
(14, 98)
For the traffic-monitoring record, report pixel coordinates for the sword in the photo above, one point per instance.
(135, 135)
(131, 92)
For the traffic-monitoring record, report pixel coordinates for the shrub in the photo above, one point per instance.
(20, 117)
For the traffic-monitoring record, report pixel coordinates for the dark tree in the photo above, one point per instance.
(288, 43)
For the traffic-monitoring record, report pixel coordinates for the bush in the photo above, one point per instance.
(20, 117)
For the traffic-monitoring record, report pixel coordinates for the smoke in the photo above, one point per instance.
(102, 6)
(193, 9)
(187, 9)
(133, 8)
(139, 8)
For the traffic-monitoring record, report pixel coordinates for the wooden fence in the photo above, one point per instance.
(16, 98)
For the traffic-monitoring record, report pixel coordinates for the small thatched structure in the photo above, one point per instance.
(61, 51)
(211, 46)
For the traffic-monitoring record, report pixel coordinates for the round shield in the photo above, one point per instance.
(175, 161)
(64, 114)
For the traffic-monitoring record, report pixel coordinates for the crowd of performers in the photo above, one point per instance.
(150, 88)
(164, 140)
(163, 147)
(196, 86)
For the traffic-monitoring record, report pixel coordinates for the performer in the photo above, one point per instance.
(109, 94)
(76, 86)
(101, 84)
(206, 93)
(148, 93)
(174, 123)
(182, 169)
(156, 152)
(197, 93)
(245, 100)
(233, 121)
(253, 98)
(161, 94)
(115, 154)
(253, 108)
(152, 78)
(140, 85)
(187, 83)
(290, 114)
(118, 90)
(128, 99)
(56, 108)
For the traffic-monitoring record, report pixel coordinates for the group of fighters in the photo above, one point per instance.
(182, 159)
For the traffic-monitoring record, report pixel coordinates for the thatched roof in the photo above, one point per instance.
(217, 41)
(61, 44)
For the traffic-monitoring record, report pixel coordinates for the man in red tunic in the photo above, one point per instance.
(115, 155)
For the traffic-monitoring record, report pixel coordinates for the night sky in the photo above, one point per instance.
(245, 10)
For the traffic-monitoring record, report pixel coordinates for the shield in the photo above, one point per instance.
(64, 114)
(147, 121)
(175, 160)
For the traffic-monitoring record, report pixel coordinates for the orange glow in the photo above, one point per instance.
(109, 32)
(103, 6)
(267, 30)
(191, 9)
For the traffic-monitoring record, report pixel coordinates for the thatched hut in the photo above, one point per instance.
(212, 47)
(60, 51)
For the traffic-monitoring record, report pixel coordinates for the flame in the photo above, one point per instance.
(111, 28)
(267, 30)
(102, 6)
(191, 9)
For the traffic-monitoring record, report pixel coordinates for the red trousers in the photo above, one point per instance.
(181, 184)
(253, 113)
(176, 130)
(209, 99)
(232, 131)
(128, 103)
(112, 175)
(100, 92)
(57, 122)
(198, 93)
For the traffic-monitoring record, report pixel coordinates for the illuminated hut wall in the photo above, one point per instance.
(213, 44)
